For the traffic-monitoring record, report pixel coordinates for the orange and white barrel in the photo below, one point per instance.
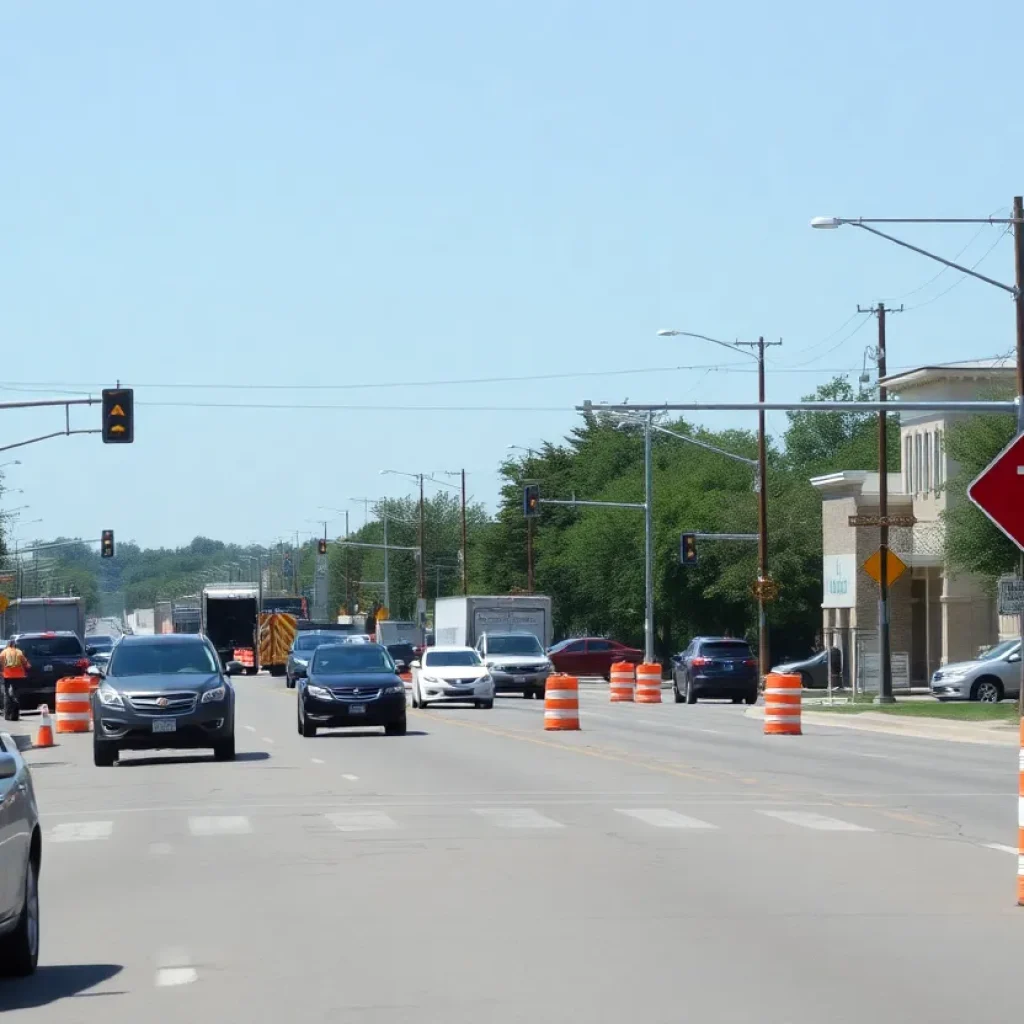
(782, 697)
(73, 711)
(623, 682)
(648, 684)
(562, 703)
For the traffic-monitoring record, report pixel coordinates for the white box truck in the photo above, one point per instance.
(462, 620)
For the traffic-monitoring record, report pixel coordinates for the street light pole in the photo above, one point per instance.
(648, 544)
(423, 579)
(465, 546)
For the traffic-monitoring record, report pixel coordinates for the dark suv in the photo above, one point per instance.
(715, 667)
(52, 656)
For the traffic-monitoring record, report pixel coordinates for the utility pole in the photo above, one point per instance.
(422, 572)
(763, 656)
(1018, 281)
(465, 546)
(387, 588)
(884, 643)
(648, 544)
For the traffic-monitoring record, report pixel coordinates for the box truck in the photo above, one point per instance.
(230, 615)
(462, 620)
(43, 615)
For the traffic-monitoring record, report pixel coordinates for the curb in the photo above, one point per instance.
(952, 732)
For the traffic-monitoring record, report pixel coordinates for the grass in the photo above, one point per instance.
(958, 711)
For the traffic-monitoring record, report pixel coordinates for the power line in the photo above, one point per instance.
(963, 277)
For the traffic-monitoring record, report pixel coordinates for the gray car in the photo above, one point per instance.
(20, 854)
(516, 662)
(989, 677)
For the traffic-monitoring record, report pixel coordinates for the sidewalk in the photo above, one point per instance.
(1000, 734)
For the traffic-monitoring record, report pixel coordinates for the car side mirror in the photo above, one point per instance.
(94, 670)
(300, 672)
(1014, 657)
(234, 668)
(8, 766)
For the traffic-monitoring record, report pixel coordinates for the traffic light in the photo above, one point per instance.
(688, 549)
(118, 426)
(107, 544)
(531, 500)
(322, 546)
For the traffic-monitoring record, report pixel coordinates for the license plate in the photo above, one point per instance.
(164, 725)
(357, 709)
(47, 668)
(519, 679)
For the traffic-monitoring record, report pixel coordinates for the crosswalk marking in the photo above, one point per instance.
(808, 819)
(516, 817)
(659, 817)
(226, 825)
(81, 831)
(361, 821)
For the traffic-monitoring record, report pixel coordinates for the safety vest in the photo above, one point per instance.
(13, 662)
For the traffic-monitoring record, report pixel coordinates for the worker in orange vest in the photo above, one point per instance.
(13, 660)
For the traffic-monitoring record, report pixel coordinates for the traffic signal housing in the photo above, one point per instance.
(531, 501)
(321, 546)
(107, 544)
(688, 549)
(118, 424)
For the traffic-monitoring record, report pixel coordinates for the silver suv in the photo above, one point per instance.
(989, 678)
(516, 662)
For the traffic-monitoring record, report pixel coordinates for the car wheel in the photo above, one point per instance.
(676, 695)
(540, 691)
(737, 700)
(306, 728)
(987, 690)
(487, 705)
(691, 697)
(251, 671)
(224, 750)
(19, 950)
(806, 681)
(289, 682)
(103, 754)
(751, 698)
(11, 710)
(395, 728)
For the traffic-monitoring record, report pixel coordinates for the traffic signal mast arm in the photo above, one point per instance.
(66, 402)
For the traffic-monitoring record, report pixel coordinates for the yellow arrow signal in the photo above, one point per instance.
(117, 429)
(117, 411)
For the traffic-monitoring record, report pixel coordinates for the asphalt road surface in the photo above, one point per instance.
(667, 863)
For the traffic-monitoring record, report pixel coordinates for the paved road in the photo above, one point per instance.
(668, 863)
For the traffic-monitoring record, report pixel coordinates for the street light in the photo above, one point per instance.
(1017, 291)
(747, 348)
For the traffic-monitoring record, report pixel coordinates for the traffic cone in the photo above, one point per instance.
(44, 734)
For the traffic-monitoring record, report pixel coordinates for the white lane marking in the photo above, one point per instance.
(881, 757)
(159, 849)
(81, 831)
(226, 825)
(819, 822)
(351, 778)
(170, 976)
(660, 817)
(360, 821)
(251, 728)
(316, 760)
(266, 739)
(516, 817)
(1001, 847)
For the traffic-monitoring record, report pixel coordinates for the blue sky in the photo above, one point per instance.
(326, 193)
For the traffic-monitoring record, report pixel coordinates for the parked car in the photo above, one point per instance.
(20, 854)
(51, 656)
(163, 692)
(447, 675)
(715, 667)
(988, 678)
(350, 686)
(591, 656)
(814, 671)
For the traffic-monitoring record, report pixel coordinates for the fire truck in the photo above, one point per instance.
(278, 623)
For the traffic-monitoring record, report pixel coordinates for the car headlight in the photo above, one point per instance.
(953, 675)
(301, 661)
(109, 697)
(320, 692)
(400, 688)
(429, 679)
(216, 694)
(546, 666)
(485, 679)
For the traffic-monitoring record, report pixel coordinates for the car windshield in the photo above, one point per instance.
(101, 643)
(1000, 650)
(403, 652)
(51, 646)
(725, 649)
(349, 657)
(159, 659)
(524, 644)
(311, 641)
(437, 659)
(561, 645)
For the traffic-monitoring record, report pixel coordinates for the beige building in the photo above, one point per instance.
(935, 617)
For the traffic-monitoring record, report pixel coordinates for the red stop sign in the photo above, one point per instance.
(999, 491)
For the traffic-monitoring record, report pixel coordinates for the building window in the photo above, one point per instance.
(918, 467)
(908, 465)
(939, 481)
(927, 467)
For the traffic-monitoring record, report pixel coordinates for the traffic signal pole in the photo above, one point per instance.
(1018, 281)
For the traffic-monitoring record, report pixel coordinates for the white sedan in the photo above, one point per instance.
(451, 675)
